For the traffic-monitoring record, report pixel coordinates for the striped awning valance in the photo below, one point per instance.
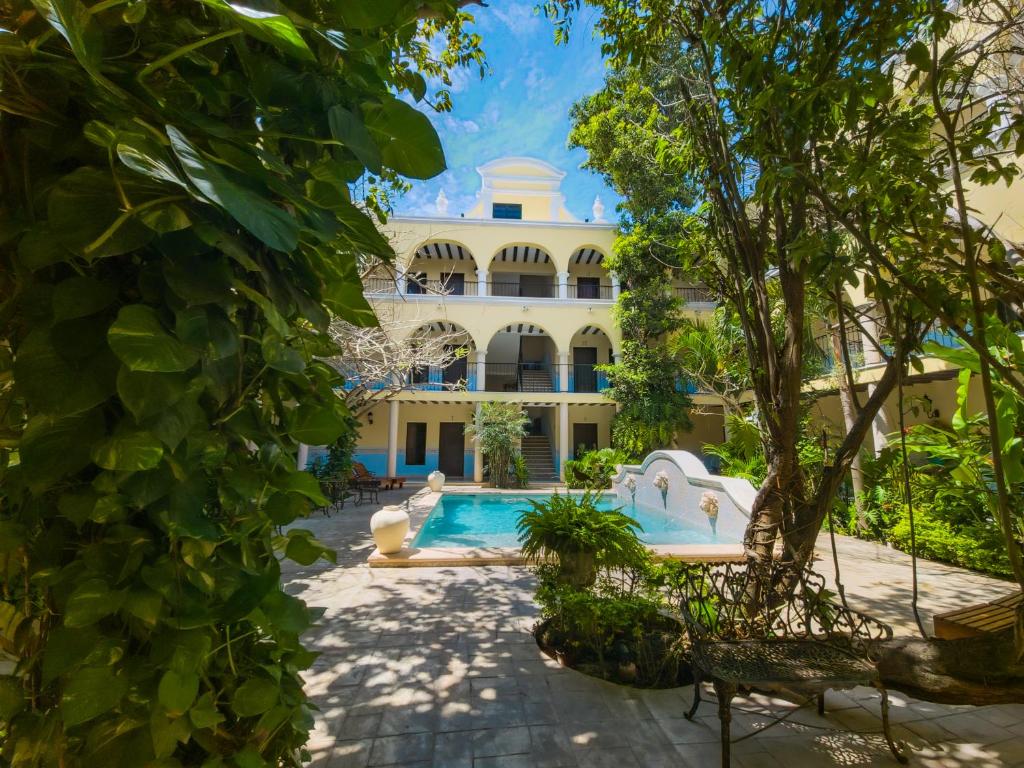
(522, 254)
(587, 256)
(443, 251)
(525, 329)
(591, 330)
(460, 335)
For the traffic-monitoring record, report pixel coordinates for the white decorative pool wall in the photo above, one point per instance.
(688, 480)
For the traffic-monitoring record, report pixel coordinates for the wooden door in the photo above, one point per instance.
(584, 375)
(451, 449)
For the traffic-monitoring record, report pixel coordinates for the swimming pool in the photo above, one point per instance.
(489, 520)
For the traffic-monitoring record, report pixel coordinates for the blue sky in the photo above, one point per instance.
(520, 108)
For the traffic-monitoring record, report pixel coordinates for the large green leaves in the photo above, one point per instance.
(254, 212)
(409, 142)
(91, 601)
(254, 697)
(349, 129)
(273, 28)
(74, 23)
(139, 339)
(166, 305)
(55, 446)
(178, 690)
(129, 451)
(91, 692)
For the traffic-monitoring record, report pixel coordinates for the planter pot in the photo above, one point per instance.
(627, 672)
(389, 527)
(435, 481)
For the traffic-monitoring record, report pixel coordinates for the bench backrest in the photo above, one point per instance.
(734, 601)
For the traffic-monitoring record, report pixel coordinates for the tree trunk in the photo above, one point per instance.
(975, 670)
(849, 417)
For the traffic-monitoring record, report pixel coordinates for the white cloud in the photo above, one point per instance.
(518, 18)
(455, 125)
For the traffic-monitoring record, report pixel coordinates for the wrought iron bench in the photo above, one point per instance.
(804, 643)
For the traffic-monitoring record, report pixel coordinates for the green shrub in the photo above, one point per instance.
(616, 621)
(594, 469)
(520, 471)
(337, 464)
(187, 199)
(498, 428)
(978, 547)
(579, 536)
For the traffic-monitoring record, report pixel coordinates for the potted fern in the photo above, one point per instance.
(578, 536)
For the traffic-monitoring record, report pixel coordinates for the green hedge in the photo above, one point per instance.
(978, 548)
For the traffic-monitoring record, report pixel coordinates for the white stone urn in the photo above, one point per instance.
(389, 527)
(435, 481)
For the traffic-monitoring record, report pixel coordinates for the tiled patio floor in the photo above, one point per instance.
(437, 667)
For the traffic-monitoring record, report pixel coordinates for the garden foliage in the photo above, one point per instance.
(952, 490)
(498, 428)
(594, 470)
(599, 591)
(176, 231)
(579, 536)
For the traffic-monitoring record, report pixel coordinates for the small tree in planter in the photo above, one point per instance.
(498, 428)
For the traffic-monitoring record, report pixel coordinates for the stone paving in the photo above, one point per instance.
(437, 667)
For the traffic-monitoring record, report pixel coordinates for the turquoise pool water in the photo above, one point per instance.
(489, 520)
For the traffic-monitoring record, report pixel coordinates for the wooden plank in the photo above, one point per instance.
(978, 620)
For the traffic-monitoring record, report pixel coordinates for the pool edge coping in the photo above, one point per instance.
(420, 504)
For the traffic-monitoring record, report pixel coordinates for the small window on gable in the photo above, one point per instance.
(507, 210)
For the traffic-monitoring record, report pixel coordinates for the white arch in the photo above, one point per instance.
(442, 243)
(444, 325)
(513, 249)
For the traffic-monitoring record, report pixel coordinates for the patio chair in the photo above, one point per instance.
(804, 644)
(336, 491)
(361, 473)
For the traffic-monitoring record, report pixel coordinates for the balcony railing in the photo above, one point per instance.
(528, 290)
(694, 294)
(821, 358)
(590, 291)
(422, 287)
(543, 377)
(504, 288)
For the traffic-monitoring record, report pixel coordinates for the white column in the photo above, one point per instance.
(303, 458)
(481, 370)
(617, 357)
(880, 426)
(563, 438)
(393, 438)
(478, 456)
(402, 280)
(563, 371)
(871, 355)
(481, 282)
(615, 286)
(563, 285)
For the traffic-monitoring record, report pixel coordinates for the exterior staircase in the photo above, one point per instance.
(537, 452)
(535, 380)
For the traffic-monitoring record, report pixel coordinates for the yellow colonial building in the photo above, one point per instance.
(521, 283)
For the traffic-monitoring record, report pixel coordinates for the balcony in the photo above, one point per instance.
(694, 294)
(385, 285)
(543, 377)
(592, 291)
(520, 289)
(536, 289)
(821, 356)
